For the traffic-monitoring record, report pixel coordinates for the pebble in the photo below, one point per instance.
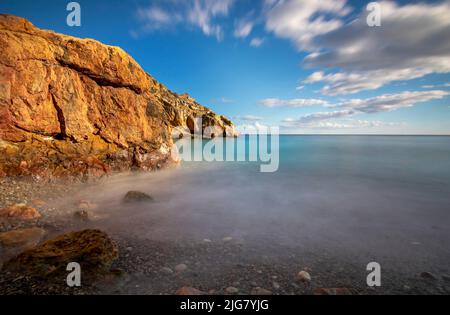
(207, 240)
(181, 268)
(189, 291)
(260, 291)
(166, 270)
(332, 291)
(276, 285)
(232, 290)
(227, 239)
(303, 276)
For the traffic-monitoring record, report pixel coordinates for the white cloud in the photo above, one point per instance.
(382, 103)
(243, 28)
(225, 100)
(391, 102)
(249, 118)
(310, 118)
(431, 86)
(202, 12)
(199, 13)
(343, 124)
(298, 102)
(413, 41)
(257, 42)
(302, 20)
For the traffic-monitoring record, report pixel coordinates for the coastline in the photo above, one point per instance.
(213, 266)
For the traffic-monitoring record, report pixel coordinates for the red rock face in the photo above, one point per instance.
(76, 107)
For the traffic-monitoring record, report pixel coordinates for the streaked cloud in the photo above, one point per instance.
(257, 42)
(378, 104)
(249, 118)
(412, 42)
(302, 20)
(297, 102)
(243, 27)
(199, 13)
(342, 124)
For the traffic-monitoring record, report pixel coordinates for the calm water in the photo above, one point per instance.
(361, 198)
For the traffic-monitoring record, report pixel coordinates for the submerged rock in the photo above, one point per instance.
(92, 249)
(22, 238)
(136, 196)
(20, 212)
(81, 215)
(428, 275)
(86, 205)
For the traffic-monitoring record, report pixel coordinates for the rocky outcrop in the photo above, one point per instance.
(71, 106)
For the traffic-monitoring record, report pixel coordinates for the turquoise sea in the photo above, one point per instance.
(335, 203)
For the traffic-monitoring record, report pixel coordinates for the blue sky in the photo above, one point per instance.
(306, 66)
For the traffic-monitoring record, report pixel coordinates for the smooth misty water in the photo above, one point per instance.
(359, 198)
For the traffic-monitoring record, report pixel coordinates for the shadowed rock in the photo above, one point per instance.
(136, 196)
(92, 249)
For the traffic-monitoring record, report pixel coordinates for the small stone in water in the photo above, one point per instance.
(227, 239)
(136, 196)
(428, 275)
(81, 215)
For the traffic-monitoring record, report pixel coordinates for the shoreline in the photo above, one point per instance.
(214, 266)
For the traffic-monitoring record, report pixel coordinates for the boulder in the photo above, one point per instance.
(21, 238)
(20, 212)
(92, 249)
(136, 196)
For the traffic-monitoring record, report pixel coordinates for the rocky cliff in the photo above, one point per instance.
(71, 106)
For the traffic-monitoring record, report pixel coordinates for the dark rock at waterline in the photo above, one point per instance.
(136, 196)
(92, 249)
(81, 215)
(428, 275)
